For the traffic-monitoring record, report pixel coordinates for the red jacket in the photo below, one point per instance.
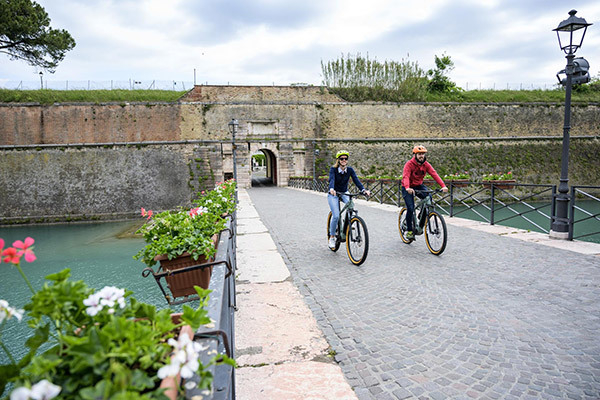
(413, 173)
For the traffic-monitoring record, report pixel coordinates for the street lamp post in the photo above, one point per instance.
(316, 153)
(233, 125)
(570, 29)
(41, 80)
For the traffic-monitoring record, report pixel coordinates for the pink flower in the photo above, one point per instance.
(146, 213)
(11, 256)
(26, 249)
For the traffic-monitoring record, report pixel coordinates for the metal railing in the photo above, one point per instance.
(130, 84)
(579, 193)
(525, 206)
(219, 338)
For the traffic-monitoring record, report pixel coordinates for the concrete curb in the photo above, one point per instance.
(280, 350)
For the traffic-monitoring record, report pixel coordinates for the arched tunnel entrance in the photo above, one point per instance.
(264, 168)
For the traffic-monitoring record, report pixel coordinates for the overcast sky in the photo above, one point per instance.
(266, 42)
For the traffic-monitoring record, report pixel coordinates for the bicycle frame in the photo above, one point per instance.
(424, 206)
(348, 211)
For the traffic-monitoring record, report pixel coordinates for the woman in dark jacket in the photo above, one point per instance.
(339, 176)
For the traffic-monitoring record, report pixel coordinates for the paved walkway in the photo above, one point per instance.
(506, 315)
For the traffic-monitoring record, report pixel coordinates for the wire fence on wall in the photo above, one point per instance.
(133, 84)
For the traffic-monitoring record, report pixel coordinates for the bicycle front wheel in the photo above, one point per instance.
(436, 234)
(337, 236)
(402, 225)
(357, 240)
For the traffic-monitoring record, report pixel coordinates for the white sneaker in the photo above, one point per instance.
(332, 242)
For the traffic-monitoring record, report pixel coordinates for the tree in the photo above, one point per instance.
(358, 78)
(25, 34)
(439, 82)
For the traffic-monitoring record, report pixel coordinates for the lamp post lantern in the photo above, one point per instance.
(233, 125)
(570, 34)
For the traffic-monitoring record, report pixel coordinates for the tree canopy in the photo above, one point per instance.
(25, 34)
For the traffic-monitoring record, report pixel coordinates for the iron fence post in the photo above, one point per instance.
(492, 205)
(451, 198)
(399, 192)
(572, 213)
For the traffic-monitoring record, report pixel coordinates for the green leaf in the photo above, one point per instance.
(8, 372)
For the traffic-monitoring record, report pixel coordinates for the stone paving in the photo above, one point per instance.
(492, 318)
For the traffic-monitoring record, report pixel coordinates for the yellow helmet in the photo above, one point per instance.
(342, 153)
(419, 149)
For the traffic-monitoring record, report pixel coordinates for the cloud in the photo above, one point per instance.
(271, 41)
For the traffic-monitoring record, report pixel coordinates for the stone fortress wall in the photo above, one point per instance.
(158, 155)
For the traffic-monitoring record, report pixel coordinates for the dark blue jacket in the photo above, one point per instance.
(339, 182)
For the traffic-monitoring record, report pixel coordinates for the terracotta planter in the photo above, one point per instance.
(458, 182)
(500, 184)
(171, 383)
(429, 182)
(183, 284)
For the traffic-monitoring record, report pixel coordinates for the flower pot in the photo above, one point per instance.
(458, 182)
(500, 184)
(171, 383)
(429, 182)
(183, 284)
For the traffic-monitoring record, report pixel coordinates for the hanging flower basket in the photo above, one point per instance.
(500, 184)
(182, 284)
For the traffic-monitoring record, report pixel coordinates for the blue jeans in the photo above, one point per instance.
(334, 206)
(409, 200)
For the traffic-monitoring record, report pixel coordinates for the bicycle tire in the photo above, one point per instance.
(357, 240)
(337, 236)
(402, 225)
(436, 234)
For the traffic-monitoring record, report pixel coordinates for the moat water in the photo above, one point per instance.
(100, 254)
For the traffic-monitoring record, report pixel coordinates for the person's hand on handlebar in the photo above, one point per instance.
(366, 192)
(332, 192)
(410, 191)
(445, 189)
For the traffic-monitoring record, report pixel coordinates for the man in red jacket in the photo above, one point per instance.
(412, 178)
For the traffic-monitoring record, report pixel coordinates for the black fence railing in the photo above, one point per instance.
(584, 216)
(525, 206)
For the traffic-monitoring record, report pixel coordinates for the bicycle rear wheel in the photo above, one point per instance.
(337, 236)
(357, 240)
(436, 234)
(402, 225)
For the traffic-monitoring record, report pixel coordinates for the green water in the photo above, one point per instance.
(504, 216)
(94, 254)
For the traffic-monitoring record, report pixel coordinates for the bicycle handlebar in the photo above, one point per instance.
(428, 191)
(351, 194)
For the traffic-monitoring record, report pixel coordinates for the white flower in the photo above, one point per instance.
(167, 370)
(44, 390)
(184, 360)
(93, 303)
(7, 311)
(107, 297)
(21, 393)
(189, 385)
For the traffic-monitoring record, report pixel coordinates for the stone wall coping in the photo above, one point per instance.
(261, 140)
(307, 103)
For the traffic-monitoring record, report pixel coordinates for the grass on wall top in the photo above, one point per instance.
(47, 96)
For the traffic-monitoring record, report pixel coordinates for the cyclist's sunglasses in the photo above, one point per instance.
(344, 158)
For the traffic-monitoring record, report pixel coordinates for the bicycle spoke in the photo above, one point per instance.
(357, 241)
